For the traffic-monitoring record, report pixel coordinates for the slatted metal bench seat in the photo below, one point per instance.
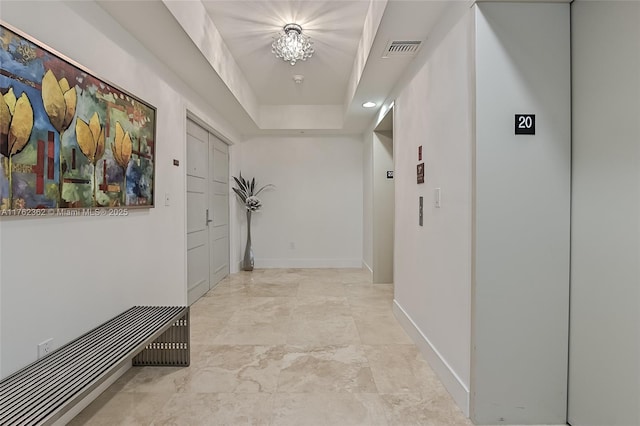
(45, 390)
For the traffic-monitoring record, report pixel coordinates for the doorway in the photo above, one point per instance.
(207, 211)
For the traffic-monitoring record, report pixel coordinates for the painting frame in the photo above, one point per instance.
(91, 144)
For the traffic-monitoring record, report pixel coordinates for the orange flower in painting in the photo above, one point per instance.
(122, 147)
(59, 101)
(16, 122)
(90, 138)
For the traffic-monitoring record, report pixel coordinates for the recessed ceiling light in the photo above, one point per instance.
(369, 104)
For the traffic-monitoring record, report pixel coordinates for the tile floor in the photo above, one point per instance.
(287, 347)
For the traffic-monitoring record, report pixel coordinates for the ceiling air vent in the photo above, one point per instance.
(401, 48)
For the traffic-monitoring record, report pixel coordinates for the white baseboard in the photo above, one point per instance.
(308, 263)
(458, 390)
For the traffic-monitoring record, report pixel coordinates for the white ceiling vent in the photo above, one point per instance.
(401, 48)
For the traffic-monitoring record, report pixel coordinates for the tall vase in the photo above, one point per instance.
(247, 262)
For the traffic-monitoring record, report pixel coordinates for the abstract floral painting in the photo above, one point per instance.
(67, 138)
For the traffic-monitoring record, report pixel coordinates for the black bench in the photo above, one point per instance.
(45, 390)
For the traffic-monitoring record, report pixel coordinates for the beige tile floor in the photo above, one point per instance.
(287, 347)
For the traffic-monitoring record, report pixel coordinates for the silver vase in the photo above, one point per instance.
(247, 262)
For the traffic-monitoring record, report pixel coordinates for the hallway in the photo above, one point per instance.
(287, 347)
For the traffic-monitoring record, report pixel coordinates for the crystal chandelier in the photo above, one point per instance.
(291, 45)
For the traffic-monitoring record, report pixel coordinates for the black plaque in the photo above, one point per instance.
(525, 124)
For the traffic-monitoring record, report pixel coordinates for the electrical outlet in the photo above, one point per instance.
(45, 348)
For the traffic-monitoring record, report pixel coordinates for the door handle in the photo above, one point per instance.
(208, 220)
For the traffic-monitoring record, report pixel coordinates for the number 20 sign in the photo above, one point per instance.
(525, 124)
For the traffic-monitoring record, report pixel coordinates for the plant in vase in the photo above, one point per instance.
(248, 195)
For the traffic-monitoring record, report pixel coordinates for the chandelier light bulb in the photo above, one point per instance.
(292, 45)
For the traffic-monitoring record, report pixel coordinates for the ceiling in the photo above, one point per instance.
(227, 46)
(335, 27)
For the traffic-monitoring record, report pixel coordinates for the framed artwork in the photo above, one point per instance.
(67, 138)
(420, 173)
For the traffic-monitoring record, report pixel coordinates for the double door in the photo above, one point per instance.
(207, 211)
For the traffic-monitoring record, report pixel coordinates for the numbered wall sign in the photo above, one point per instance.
(525, 124)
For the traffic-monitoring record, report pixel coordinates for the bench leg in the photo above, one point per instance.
(172, 348)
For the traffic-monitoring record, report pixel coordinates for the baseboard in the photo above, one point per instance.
(458, 390)
(308, 263)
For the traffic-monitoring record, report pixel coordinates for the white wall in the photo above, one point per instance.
(317, 204)
(383, 207)
(433, 262)
(237, 217)
(522, 193)
(60, 277)
(367, 195)
(604, 378)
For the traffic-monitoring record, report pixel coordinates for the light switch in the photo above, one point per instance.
(437, 198)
